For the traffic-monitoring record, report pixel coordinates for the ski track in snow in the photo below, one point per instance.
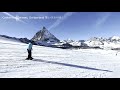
(56, 63)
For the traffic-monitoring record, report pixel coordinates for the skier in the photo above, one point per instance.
(116, 53)
(29, 49)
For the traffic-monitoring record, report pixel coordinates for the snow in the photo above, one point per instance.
(75, 43)
(56, 63)
(111, 45)
(6, 40)
(71, 42)
(93, 43)
(115, 38)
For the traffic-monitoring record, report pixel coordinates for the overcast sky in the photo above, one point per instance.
(64, 25)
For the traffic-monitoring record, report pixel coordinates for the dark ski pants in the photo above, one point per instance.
(29, 54)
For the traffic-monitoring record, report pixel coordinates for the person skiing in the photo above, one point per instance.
(29, 49)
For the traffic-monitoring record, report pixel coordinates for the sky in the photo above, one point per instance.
(64, 25)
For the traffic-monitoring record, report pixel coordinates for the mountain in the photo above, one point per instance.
(72, 42)
(44, 37)
(23, 40)
(105, 43)
(95, 42)
(114, 38)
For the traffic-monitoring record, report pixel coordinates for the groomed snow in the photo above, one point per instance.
(57, 63)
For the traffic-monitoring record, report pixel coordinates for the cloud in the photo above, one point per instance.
(59, 21)
(14, 17)
(101, 20)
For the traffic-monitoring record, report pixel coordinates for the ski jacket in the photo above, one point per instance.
(30, 46)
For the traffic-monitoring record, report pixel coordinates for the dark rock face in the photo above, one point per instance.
(44, 35)
(24, 40)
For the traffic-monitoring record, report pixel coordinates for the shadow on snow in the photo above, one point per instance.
(70, 65)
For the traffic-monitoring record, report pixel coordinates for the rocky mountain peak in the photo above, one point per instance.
(45, 35)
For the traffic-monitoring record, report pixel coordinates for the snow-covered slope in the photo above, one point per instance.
(57, 63)
(93, 43)
(8, 40)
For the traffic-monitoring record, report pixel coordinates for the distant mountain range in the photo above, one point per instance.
(45, 38)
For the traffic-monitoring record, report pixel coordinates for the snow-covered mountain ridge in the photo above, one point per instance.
(109, 43)
(8, 38)
(45, 38)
